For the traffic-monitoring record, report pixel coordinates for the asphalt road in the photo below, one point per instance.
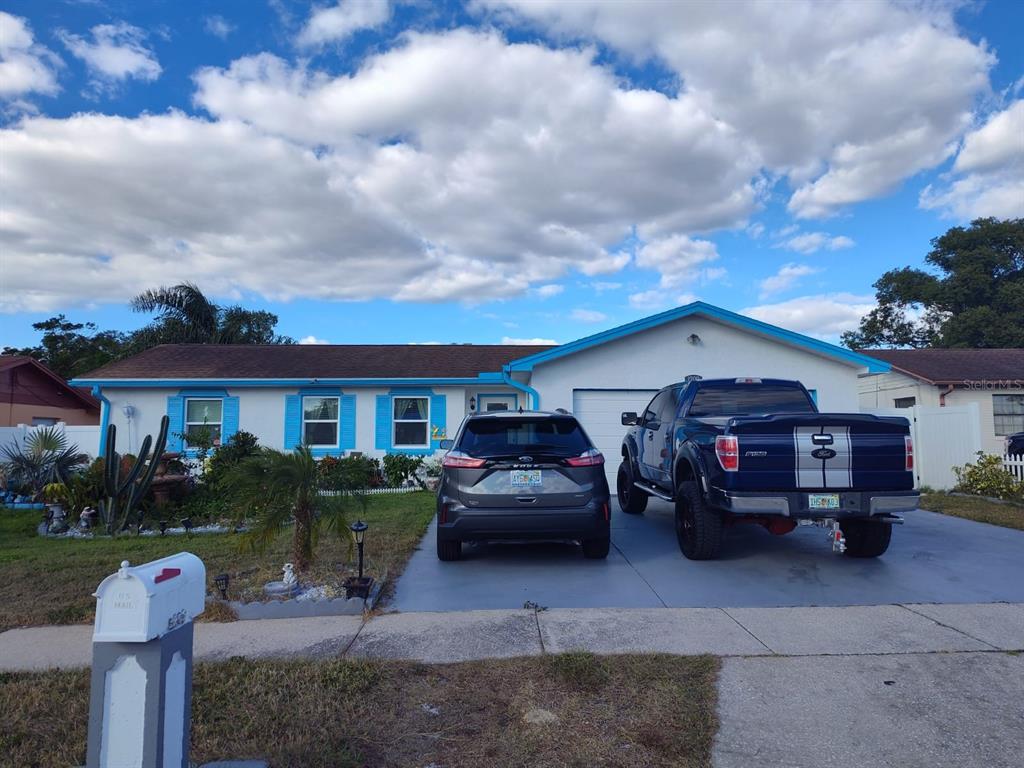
(932, 559)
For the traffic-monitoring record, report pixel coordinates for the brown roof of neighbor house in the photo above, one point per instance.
(954, 366)
(314, 361)
(9, 386)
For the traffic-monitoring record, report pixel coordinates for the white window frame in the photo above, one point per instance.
(995, 415)
(336, 422)
(396, 421)
(220, 438)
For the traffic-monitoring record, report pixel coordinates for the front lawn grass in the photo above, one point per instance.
(975, 508)
(51, 581)
(635, 710)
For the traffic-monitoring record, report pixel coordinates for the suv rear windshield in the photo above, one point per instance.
(749, 400)
(511, 436)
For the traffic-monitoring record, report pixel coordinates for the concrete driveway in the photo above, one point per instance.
(933, 559)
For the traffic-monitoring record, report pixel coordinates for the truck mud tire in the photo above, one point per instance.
(449, 551)
(866, 539)
(698, 527)
(632, 500)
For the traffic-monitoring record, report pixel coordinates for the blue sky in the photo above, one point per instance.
(415, 172)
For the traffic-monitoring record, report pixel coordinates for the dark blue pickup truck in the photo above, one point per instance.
(758, 450)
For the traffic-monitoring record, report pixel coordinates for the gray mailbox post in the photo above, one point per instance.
(140, 705)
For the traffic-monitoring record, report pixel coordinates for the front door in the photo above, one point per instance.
(486, 403)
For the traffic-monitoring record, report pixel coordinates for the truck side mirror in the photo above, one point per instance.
(629, 418)
(447, 445)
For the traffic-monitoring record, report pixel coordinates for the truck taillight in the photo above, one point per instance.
(591, 458)
(909, 453)
(459, 460)
(727, 449)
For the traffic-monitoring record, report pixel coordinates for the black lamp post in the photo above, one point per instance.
(358, 528)
(358, 586)
(222, 580)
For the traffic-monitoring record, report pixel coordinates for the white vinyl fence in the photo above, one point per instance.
(87, 438)
(943, 438)
(1016, 465)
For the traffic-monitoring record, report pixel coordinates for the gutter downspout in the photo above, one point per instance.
(942, 395)
(97, 392)
(506, 377)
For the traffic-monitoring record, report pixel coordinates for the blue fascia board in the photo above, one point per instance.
(171, 383)
(713, 312)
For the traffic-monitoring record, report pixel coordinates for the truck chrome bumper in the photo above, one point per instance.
(795, 504)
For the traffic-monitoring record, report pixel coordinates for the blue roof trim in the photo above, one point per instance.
(708, 310)
(171, 383)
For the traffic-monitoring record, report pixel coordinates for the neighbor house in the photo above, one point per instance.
(32, 394)
(380, 399)
(992, 378)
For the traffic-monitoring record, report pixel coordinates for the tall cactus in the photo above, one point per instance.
(123, 495)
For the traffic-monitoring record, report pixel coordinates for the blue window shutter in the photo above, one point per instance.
(176, 417)
(438, 419)
(292, 422)
(383, 425)
(348, 423)
(229, 416)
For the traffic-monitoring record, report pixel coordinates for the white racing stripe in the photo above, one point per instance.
(812, 472)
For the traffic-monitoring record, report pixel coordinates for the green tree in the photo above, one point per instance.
(974, 297)
(187, 316)
(67, 351)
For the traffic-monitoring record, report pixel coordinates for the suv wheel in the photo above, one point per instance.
(866, 539)
(449, 550)
(698, 527)
(632, 500)
(596, 549)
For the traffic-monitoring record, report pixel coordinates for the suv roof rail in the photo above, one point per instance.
(562, 410)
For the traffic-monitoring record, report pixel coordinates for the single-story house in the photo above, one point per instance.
(992, 378)
(386, 398)
(32, 394)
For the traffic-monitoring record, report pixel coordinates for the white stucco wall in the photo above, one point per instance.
(654, 358)
(990, 441)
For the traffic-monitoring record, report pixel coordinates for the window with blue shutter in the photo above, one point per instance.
(323, 418)
(382, 428)
(438, 420)
(348, 423)
(176, 417)
(230, 416)
(412, 421)
(292, 422)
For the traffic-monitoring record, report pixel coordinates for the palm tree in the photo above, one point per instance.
(277, 487)
(45, 458)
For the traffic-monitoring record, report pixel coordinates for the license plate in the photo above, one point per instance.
(823, 500)
(524, 478)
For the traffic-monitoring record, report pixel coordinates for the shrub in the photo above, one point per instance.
(356, 471)
(399, 467)
(240, 446)
(988, 477)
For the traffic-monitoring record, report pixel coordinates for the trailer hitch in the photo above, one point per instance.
(837, 537)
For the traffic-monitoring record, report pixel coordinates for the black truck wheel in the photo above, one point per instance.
(449, 551)
(866, 539)
(632, 500)
(698, 527)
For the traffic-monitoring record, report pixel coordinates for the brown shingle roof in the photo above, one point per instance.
(10, 362)
(313, 361)
(954, 366)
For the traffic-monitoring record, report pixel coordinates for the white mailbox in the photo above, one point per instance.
(139, 604)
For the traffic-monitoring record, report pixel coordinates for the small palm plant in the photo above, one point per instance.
(45, 458)
(272, 488)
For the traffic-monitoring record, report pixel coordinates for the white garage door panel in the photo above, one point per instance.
(600, 413)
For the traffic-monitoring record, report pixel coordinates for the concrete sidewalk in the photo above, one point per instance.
(468, 635)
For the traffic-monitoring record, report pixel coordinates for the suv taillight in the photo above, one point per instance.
(591, 458)
(908, 441)
(727, 449)
(459, 460)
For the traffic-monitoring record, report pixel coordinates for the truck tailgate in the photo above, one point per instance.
(820, 451)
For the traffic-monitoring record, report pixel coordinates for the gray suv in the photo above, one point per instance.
(517, 475)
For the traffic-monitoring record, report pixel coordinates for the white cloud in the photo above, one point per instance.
(987, 178)
(810, 242)
(338, 22)
(602, 286)
(682, 261)
(787, 277)
(588, 315)
(116, 53)
(755, 230)
(844, 98)
(549, 290)
(218, 26)
(823, 316)
(312, 340)
(527, 342)
(25, 66)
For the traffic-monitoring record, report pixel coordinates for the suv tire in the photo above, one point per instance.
(698, 527)
(449, 551)
(632, 500)
(596, 549)
(866, 539)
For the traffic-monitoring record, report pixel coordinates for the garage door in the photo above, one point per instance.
(600, 412)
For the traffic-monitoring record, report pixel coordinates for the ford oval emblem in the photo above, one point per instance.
(823, 453)
(526, 459)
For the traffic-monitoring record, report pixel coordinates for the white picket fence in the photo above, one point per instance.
(1015, 464)
(87, 438)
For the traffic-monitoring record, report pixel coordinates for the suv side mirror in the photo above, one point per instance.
(629, 418)
(447, 445)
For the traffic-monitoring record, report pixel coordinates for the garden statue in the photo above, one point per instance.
(123, 496)
(289, 579)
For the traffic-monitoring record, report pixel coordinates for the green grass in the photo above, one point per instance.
(51, 581)
(633, 711)
(975, 508)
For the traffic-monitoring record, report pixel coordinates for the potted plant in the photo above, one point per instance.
(56, 496)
